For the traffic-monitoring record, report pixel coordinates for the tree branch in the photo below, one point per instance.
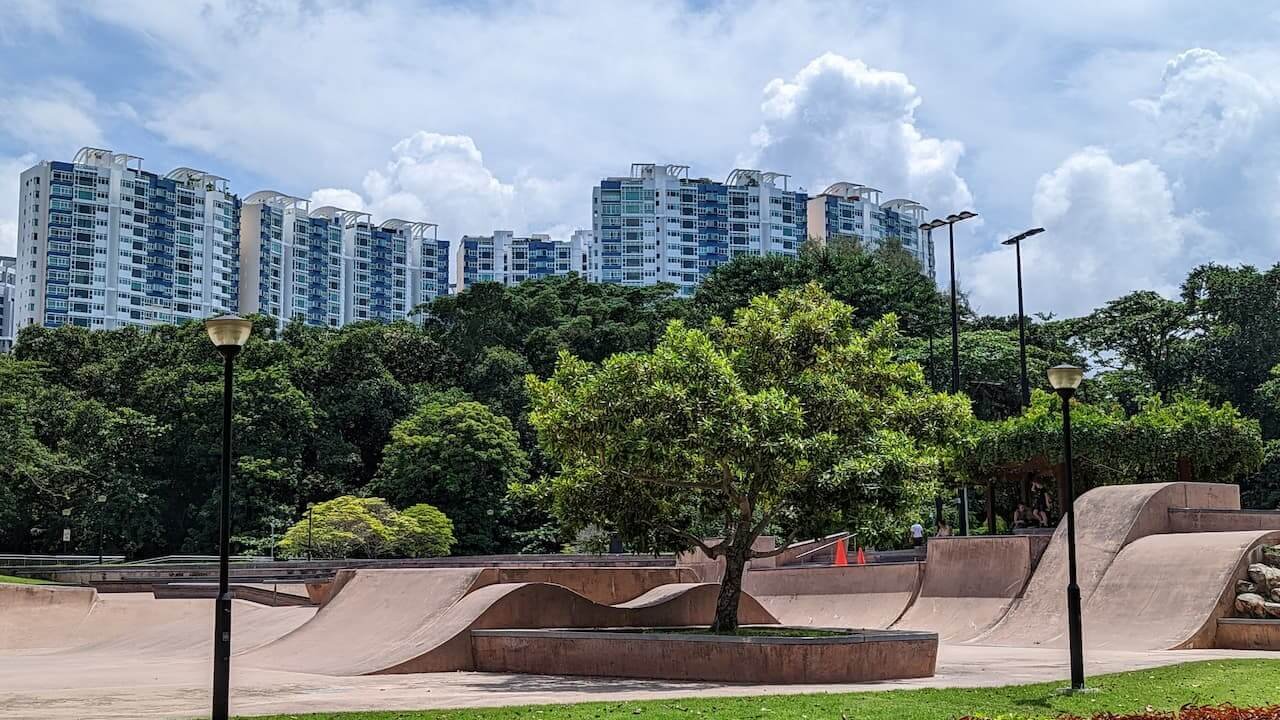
(791, 537)
(708, 550)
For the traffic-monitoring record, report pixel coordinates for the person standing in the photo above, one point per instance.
(917, 534)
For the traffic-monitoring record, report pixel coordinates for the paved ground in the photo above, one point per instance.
(95, 686)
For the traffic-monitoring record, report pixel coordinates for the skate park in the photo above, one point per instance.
(1159, 568)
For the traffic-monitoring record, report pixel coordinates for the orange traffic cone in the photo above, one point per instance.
(842, 554)
(862, 557)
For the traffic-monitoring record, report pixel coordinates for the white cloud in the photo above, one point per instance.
(443, 179)
(52, 117)
(838, 119)
(1111, 228)
(10, 170)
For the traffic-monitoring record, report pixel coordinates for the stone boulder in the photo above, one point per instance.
(1265, 578)
(1245, 587)
(1251, 605)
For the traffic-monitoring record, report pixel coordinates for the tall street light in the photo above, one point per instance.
(1016, 242)
(1065, 379)
(229, 334)
(950, 221)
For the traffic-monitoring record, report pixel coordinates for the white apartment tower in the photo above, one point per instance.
(852, 211)
(660, 225)
(291, 263)
(504, 258)
(103, 243)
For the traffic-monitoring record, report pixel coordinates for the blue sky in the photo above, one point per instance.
(1144, 135)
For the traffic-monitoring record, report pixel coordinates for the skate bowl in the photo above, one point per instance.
(404, 621)
(858, 656)
(969, 584)
(1144, 585)
(851, 596)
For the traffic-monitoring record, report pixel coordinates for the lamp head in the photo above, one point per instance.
(1022, 236)
(1065, 378)
(228, 331)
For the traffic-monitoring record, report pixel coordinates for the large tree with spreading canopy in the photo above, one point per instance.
(787, 419)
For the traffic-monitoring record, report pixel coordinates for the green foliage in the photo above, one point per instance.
(788, 417)
(1111, 449)
(434, 535)
(1146, 333)
(460, 457)
(349, 526)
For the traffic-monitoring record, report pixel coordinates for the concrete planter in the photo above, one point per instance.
(860, 656)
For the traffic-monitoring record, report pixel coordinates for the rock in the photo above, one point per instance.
(1264, 577)
(1271, 609)
(1244, 587)
(1251, 605)
(1271, 555)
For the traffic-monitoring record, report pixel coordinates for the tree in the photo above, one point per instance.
(1144, 332)
(434, 535)
(345, 526)
(788, 418)
(458, 456)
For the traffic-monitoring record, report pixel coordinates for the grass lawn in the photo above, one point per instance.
(22, 580)
(1240, 682)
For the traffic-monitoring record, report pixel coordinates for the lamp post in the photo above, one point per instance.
(229, 334)
(1065, 379)
(1016, 242)
(309, 508)
(950, 221)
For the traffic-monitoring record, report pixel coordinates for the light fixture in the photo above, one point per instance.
(1022, 236)
(1065, 377)
(228, 330)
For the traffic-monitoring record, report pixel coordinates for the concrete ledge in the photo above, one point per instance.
(1188, 520)
(1248, 634)
(859, 656)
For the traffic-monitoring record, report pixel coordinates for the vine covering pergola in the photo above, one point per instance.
(1185, 439)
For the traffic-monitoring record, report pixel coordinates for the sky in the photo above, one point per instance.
(1143, 135)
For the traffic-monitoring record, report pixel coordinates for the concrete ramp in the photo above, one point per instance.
(853, 596)
(36, 617)
(441, 641)
(1107, 520)
(969, 585)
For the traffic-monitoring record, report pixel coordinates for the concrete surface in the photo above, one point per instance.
(1248, 634)
(853, 596)
(858, 657)
(63, 686)
(969, 585)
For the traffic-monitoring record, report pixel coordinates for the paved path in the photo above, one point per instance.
(80, 686)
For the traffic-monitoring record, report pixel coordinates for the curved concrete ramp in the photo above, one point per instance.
(442, 642)
(853, 596)
(1107, 520)
(49, 620)
(969, 585)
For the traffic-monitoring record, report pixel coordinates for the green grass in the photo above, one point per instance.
(1241, 682)
(22, 580)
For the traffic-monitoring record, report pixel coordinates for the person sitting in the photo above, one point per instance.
(944, 530)
(1021, 517)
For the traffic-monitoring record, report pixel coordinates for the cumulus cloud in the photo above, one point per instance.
(839, 119)
(1112, 228)
(443, 179)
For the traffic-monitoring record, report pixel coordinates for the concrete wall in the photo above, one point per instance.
(856, 658)
(1248, 634)
(1185, 520)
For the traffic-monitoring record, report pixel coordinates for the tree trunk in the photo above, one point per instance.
(735, 563)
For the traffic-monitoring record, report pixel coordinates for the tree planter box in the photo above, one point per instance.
(860, 656)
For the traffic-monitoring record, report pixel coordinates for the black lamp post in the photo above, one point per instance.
(310, 506)
(102, 503)
(228, 333)
(1016, 242)
(950, 221)
(1065, 379)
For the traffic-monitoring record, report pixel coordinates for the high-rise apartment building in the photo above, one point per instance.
(8, 301)
(660, 225)
(103, 243)
(852, 211)
(291, 263)
(504, 258)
